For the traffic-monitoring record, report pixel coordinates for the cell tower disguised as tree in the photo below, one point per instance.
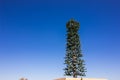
(73, 59)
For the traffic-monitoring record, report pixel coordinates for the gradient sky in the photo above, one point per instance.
(32, 37)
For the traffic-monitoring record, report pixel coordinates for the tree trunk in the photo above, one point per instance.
(81, 78)
(74, 75)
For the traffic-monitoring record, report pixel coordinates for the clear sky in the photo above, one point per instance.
(32, 37)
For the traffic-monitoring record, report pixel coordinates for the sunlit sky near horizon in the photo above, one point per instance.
(32, 37)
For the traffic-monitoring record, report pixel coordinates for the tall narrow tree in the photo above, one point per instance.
(73, 59)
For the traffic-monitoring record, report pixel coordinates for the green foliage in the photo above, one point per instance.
(73, 59)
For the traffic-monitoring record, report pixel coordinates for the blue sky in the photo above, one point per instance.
(32, 37)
